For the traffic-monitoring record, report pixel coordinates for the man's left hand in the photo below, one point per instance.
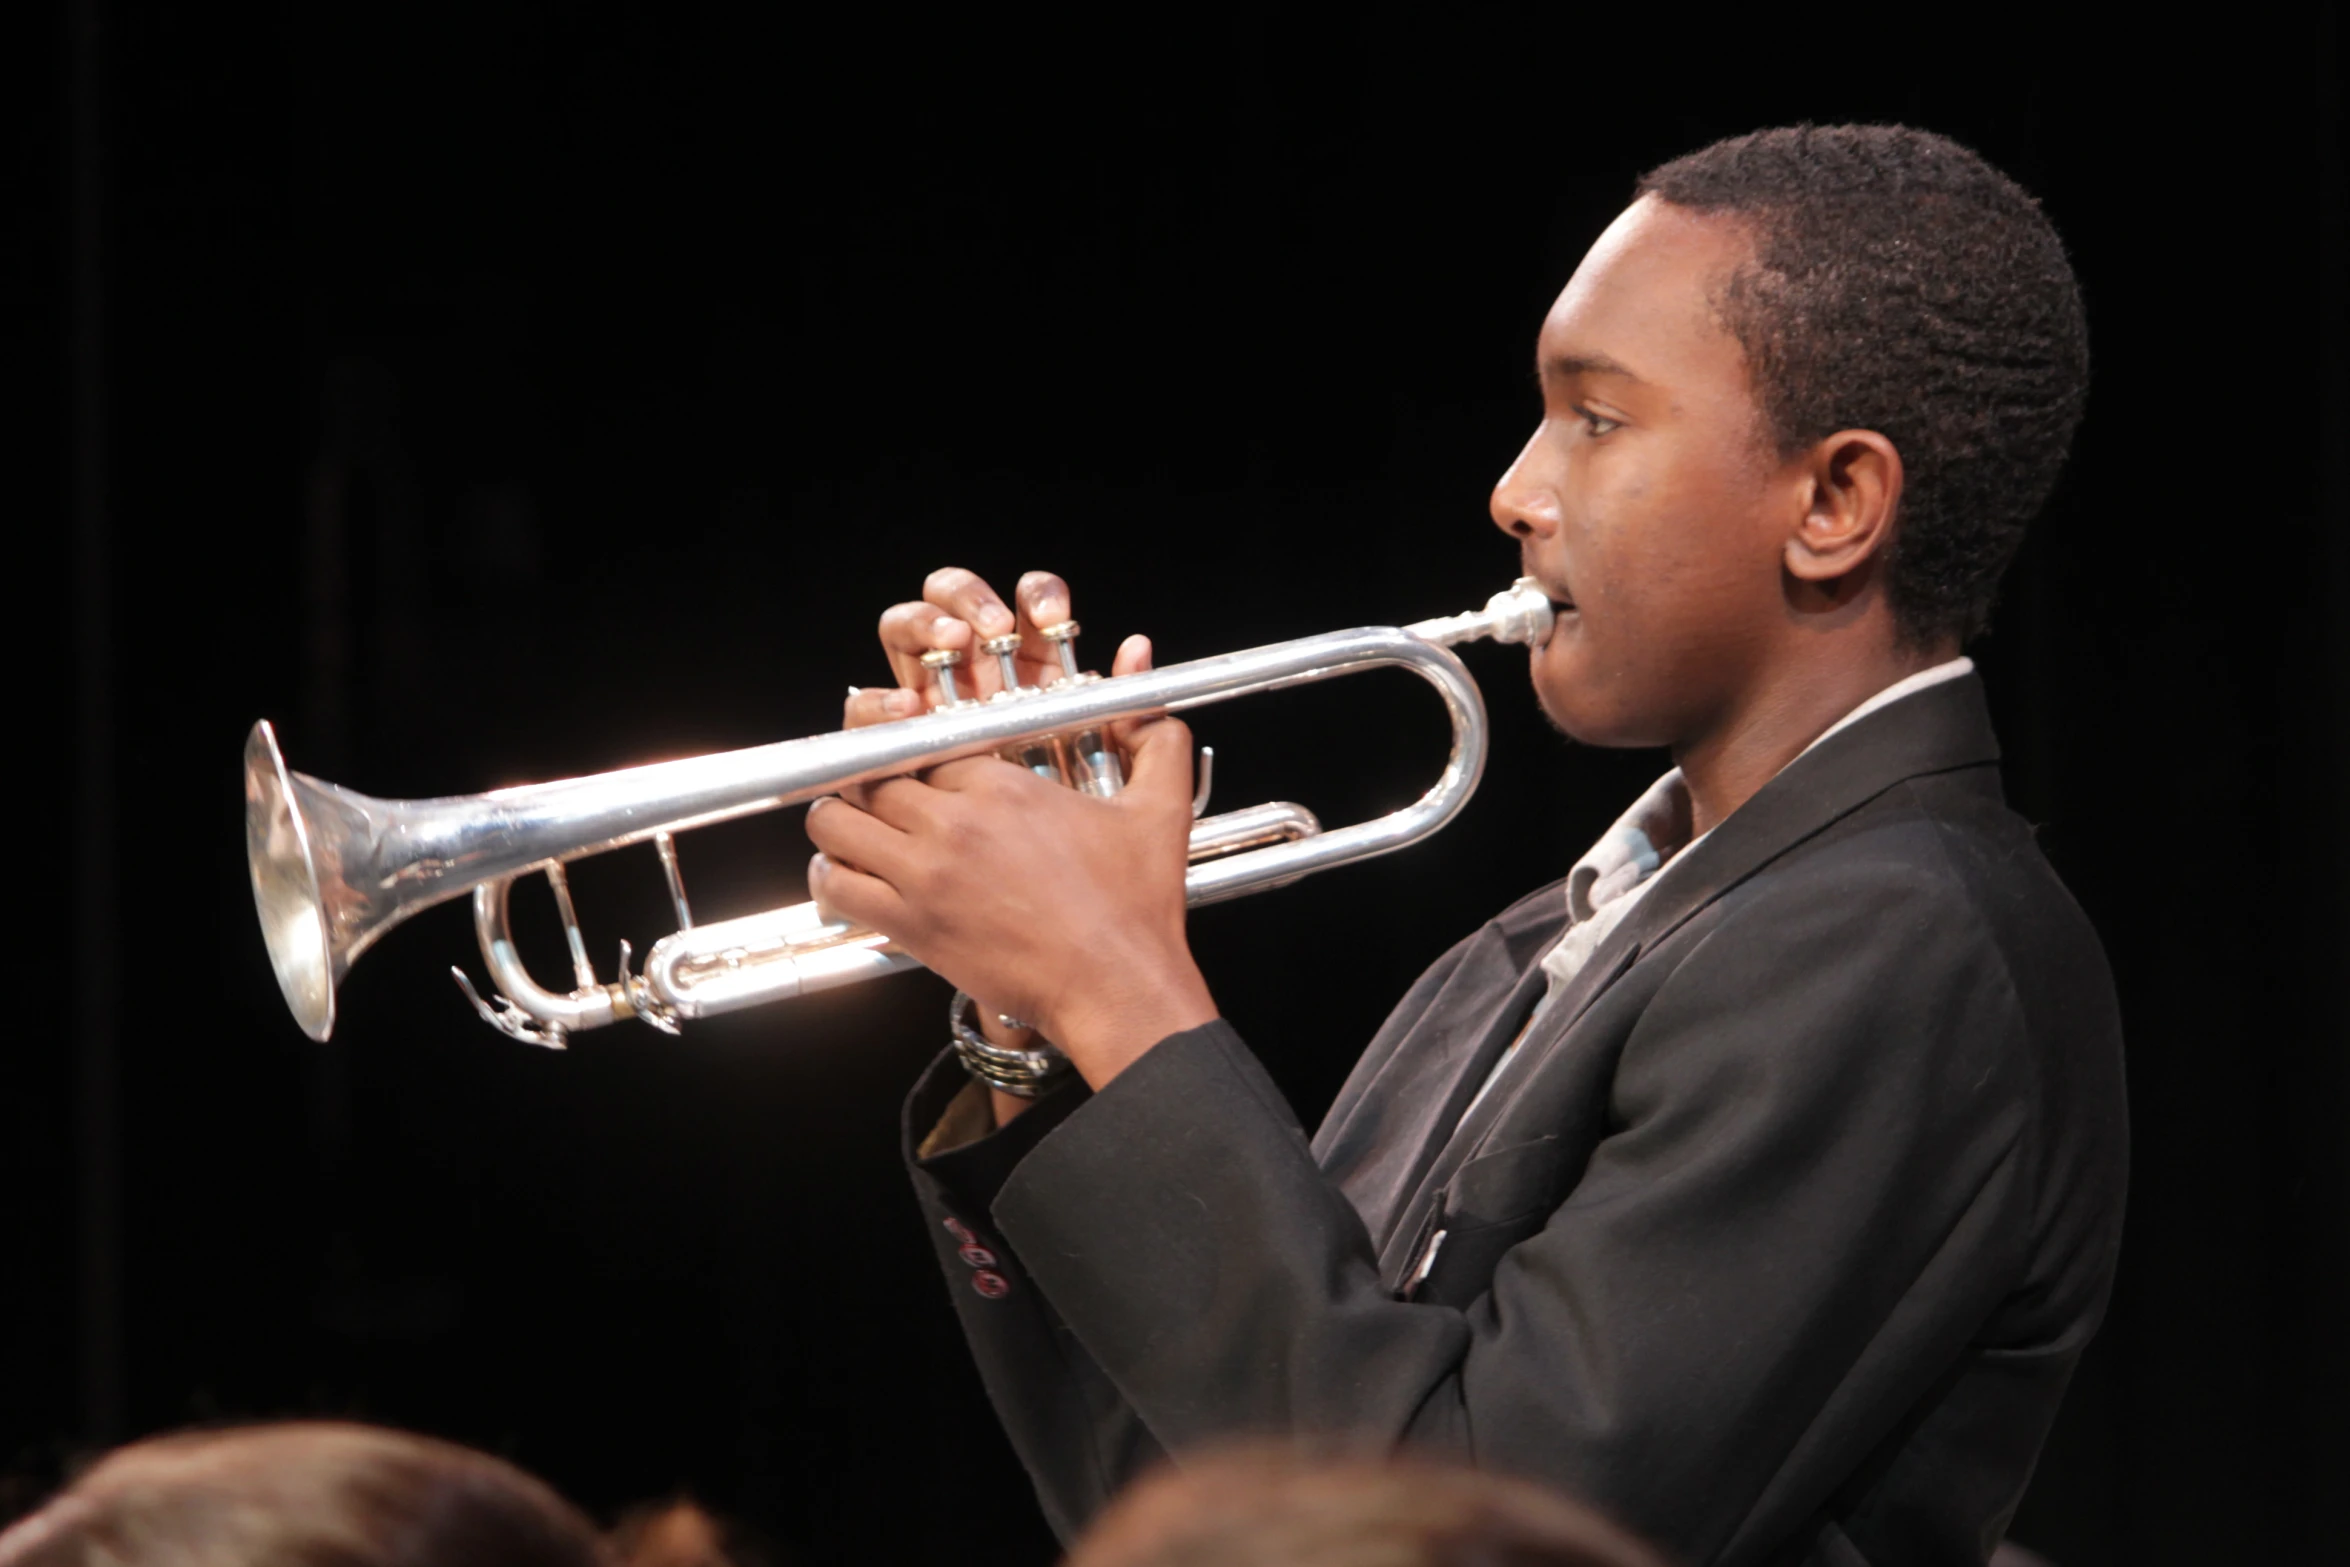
(1065, 909)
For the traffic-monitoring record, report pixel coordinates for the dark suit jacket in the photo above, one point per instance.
(1778, 1243)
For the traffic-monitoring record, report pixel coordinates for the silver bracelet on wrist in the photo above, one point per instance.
(1024, 1074)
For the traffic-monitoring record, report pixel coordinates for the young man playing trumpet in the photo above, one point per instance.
(1761, 1182)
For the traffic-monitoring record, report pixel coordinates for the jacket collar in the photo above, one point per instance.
(1940, 729)
(1937, 730)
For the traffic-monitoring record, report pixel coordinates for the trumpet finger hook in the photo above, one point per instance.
(509, 1019)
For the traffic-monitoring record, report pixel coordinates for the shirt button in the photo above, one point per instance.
(993, 1285)
(960, 1231)
(977, 1256)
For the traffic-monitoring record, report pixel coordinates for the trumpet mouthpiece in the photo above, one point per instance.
(1520, 612)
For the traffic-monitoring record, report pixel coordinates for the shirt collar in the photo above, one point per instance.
(1627, 854)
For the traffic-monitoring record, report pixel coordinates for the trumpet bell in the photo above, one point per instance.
(320, 886)
(285, 887)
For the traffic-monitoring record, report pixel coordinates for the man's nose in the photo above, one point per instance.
(1524, 505)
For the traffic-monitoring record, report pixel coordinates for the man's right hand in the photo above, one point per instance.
(957, 610)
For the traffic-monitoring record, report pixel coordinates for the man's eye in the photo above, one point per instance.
(1597, 424)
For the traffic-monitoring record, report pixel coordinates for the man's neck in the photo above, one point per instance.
(1788, 707)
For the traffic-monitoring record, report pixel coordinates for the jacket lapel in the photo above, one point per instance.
(1435, 1134)
(1379, 1139)
(1935, 730)
(1608, 963)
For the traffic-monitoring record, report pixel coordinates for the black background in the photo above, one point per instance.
(495, 392)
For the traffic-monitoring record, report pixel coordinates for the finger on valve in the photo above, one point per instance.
(966, 597)
(1044, 601)
(908, 631)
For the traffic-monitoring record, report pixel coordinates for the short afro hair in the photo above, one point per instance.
(1901, 284)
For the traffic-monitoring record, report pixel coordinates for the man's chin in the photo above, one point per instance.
(1598, 737)
(1584, 714)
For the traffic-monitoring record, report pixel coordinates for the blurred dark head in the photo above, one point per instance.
(304, 1494)
(1275, 1507)
(1901, 284)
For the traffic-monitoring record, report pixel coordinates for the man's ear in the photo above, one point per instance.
(1852, 487)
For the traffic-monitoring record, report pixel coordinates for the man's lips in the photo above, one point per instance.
(1561, 601)
(1562, 611)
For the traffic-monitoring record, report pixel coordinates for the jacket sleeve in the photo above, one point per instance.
(1077, 1437)
(1811, 1156)
(1075, 1433)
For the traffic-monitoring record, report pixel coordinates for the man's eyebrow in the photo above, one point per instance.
(1584, 364)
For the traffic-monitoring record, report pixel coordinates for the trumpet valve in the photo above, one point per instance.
(1005, 651)
(942, 663)
(1063, 637)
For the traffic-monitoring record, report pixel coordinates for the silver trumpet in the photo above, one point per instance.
(333, 869)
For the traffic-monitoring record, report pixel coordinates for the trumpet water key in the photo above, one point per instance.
(334, 869)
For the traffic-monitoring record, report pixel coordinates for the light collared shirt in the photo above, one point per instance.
(1617, 871)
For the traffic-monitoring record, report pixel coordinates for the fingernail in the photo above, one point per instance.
(855, 692)
(1051, 610)
(903, 701)
(818, 868)
(996, 620)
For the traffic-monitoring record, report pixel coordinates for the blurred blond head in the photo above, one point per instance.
(330, 1494)
(1277, 1507)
